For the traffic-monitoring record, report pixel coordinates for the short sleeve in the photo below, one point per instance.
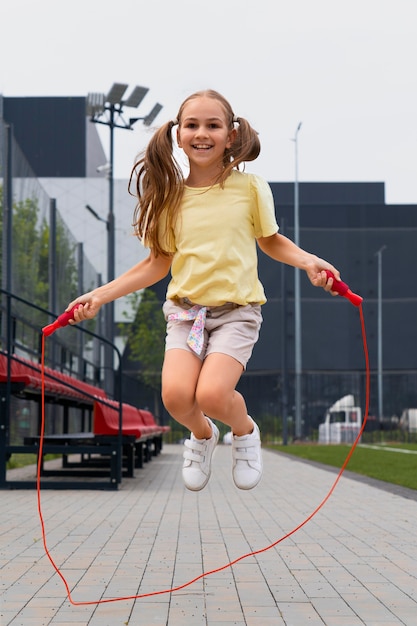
(264, 220)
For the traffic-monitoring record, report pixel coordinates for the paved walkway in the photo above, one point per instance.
(354, 563)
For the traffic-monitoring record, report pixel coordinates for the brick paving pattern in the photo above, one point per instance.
(354, 563)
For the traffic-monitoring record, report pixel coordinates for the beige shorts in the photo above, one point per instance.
(230, 329)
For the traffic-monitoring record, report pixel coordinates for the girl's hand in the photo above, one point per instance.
(318, 277)
(89, 309)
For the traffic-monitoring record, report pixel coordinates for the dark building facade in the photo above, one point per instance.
(347, 224)
(55, 135)
(350, 225)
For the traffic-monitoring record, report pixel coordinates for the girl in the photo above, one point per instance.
(204, 229)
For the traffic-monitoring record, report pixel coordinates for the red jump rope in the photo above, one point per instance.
(343, 290)
(63, 320)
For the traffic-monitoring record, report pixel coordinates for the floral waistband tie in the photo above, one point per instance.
(196, 336)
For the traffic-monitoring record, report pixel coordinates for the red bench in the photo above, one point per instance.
(28, 374)
(137, 422)
(106, 420)
(149, 420)
(139, 439)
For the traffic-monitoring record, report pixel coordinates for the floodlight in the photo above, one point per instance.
(116, 92)
(152, 115)
(94, 104)
(136, 97)
(104, 169)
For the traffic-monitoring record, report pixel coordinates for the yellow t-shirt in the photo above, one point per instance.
(214, 241)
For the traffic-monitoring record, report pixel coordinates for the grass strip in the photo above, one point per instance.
(390, 465)
(22, 460)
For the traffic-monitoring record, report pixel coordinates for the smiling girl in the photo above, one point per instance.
(205, 229)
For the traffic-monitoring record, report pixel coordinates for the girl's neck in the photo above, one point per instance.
(203, 178)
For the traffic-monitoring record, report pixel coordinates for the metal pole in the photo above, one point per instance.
(109, 363)
(80, 347)
(8, 231)
(7, 242)
(284, 377)
(380, 380)
(52, 275)
(297, 301)
(96, 343)
(7, 208)
(110, 219)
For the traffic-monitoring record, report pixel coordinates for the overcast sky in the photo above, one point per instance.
(346, 69)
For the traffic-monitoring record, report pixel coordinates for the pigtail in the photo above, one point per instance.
(246, 147)
(159, 187)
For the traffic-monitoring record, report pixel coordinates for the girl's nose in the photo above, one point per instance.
(201, 131)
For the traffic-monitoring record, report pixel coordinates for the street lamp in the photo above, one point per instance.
(297, 299)
(96, 215)
(108, 110)
(380, 385)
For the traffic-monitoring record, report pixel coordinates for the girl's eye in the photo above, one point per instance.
(194, 125)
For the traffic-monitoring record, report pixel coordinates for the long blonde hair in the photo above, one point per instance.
(159, 183)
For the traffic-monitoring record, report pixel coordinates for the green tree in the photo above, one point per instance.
(29, 252)
(30, 259)
(27, 249)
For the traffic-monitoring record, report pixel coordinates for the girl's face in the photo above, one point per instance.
(204, 133)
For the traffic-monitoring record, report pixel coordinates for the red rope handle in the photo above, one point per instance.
(231, 563)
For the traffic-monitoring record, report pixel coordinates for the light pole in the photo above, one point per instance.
(108, 110)
(96, 215)
(380, 383)
(297, 300)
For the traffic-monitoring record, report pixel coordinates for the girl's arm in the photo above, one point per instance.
(144, 274)
(282, 249)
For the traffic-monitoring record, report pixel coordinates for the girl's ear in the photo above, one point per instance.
(231, 138)
(178, 138)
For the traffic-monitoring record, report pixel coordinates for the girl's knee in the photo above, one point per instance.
(211, 400)
(177, 400)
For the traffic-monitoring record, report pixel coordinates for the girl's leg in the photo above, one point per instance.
(216, 394)
(180, 374)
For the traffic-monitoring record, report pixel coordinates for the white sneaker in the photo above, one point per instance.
(197, 455)
(247, 459)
